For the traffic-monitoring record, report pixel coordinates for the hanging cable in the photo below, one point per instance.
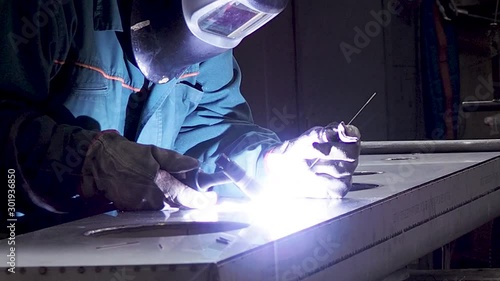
(496, 11)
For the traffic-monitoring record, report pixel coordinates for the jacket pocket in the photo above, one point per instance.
(89, 96)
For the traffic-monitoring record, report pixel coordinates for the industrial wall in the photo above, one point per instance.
(320, 60)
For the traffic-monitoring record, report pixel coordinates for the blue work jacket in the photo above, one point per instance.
(64, 55)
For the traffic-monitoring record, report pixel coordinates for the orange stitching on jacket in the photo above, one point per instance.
(119, 79)
(104, 74)
(189, 75)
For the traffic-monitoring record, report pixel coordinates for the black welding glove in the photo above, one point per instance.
(139, 177)
(318, 164)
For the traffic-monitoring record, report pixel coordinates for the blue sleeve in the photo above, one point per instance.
(223, 123)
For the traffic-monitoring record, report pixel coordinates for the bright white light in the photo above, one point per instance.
(202, 215)
(279, 218)
(285, 178)
(288, 178)
(282, 206)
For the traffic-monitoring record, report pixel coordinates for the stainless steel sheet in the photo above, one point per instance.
(422, 201)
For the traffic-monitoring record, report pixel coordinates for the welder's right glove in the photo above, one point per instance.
(318, 164)
(139, 177)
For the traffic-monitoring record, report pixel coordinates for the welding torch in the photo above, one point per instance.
(229, 172)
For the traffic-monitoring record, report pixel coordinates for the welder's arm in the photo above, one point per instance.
(42, 153)
(56, 161)
(222, 123)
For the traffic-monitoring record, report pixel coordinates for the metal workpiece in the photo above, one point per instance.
(481, 106)
(429, 146)
(412, 204)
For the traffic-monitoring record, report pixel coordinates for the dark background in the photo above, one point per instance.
(295, 76)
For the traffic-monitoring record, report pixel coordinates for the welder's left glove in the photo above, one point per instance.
(318, 164)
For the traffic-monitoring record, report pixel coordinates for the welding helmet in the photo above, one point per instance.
(170, 35)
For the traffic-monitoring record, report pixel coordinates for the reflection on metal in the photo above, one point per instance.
(362, 186)
(429, 146)
(481, 106)
(418, 206)
(165, 229)
(367, 173)
(404, 158)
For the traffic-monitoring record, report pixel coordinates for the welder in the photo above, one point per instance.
(110, 104)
